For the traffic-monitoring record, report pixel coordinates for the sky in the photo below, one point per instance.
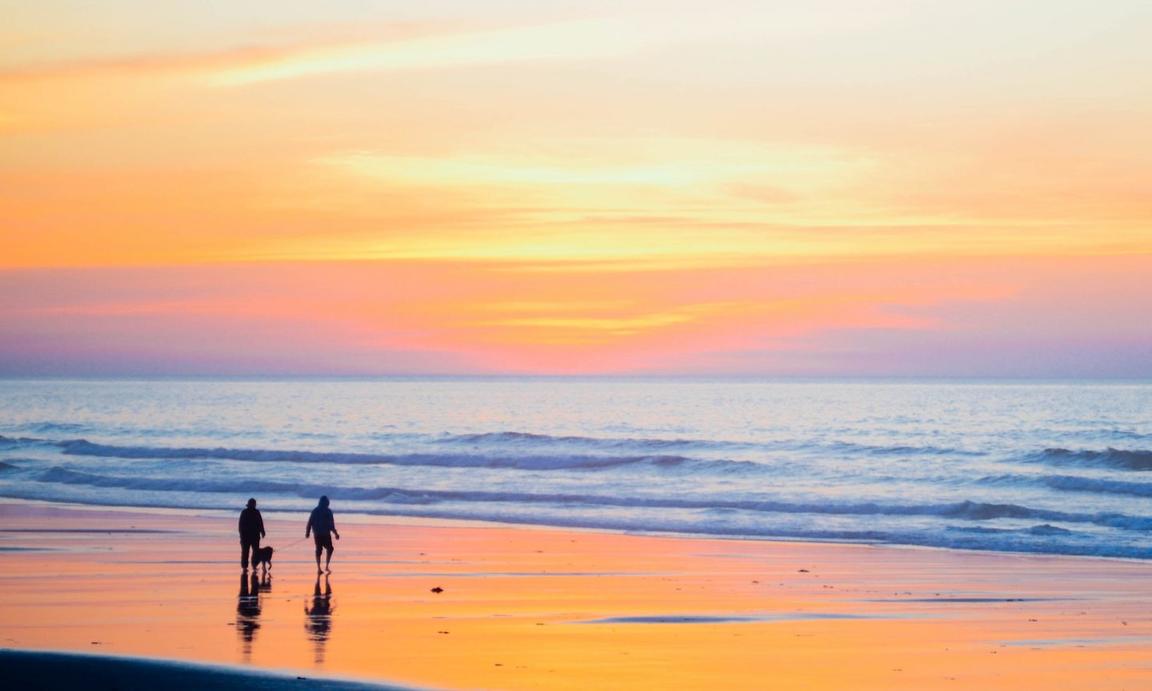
(738, 188)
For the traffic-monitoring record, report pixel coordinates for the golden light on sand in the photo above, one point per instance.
(529, 609)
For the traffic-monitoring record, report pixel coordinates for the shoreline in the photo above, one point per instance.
(431, 521)
(526, 607)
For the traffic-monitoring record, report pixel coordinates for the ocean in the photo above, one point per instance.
(1049, 467)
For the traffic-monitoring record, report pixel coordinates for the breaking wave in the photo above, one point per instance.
(963, 510)
(763, 519)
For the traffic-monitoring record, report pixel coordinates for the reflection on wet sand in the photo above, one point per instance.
(318, 617)
(248, 611)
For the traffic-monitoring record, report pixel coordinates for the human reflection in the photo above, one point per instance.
(318, 617)
(248, 611)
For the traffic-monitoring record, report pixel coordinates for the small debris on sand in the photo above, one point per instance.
(437, 589)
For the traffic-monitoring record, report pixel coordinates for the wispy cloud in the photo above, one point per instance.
(393, 48)
(567, 40)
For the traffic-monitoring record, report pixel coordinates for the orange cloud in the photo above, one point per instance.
(405, 317)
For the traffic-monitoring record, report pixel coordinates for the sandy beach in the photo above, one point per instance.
(524, 608)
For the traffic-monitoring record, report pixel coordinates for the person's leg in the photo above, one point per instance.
(328, 559)
(319, 549)
(244, 555)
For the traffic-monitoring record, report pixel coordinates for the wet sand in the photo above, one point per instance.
(529, 608)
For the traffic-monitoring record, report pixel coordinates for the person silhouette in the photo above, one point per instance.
(251, 528)
(318, 617)
(323, 526)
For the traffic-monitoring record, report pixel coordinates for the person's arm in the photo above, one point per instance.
(334, 531)
(260, 521)
(240, 525)
(308, 528)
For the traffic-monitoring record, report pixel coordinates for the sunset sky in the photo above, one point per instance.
(758, 187)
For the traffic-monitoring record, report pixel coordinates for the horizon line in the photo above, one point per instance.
(767, 378)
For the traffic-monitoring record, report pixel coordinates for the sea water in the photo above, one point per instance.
(1051, 467)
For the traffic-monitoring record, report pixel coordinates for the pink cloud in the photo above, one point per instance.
(1002, 317)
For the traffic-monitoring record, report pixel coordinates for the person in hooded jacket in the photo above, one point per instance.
(322, 526)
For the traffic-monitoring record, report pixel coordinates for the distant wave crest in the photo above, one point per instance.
(20, 442)
(82, 447)
(1122, 459)
(648, 444)
(1101, 486)
(1071, 483)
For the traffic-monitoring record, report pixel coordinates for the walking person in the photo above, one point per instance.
(322, 525)
(251, 530)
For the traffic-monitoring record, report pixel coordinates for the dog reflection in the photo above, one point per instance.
(318, 617)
